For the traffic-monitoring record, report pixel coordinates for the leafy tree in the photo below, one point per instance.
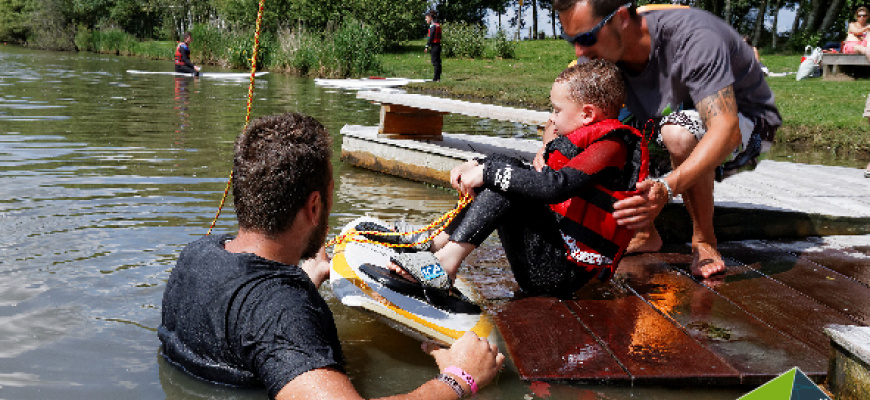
(13, 21)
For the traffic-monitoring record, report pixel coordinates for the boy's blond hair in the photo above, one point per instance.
(596, 82)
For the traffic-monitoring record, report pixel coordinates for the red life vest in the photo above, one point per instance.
(179, 59)
(592, 238)
(437, 37)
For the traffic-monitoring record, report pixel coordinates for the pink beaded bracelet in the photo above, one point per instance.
(464, 375)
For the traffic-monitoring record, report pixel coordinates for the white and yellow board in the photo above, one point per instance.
(408, 314)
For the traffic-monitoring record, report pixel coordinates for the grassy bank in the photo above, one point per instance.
(816, 113)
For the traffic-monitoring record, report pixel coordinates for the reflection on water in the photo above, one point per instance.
(105, 176)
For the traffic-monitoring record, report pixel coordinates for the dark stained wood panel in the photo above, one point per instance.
(650, 347)
(546, 342)
(756, 350)
(824, 285)
(779, 306)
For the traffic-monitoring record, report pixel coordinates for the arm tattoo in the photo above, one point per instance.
(719, 103)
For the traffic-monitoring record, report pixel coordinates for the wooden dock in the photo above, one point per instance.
(654, 324)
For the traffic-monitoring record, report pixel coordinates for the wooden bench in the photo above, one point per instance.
(416, 116)
(831, 63)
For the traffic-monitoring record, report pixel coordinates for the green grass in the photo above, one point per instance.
(816, 113)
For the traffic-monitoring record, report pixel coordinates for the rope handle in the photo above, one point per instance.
(441, 223)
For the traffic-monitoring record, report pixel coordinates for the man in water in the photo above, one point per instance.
(245, 310)
(182, 57)
(690, 73)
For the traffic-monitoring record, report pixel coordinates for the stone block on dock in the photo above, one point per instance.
(849, 369)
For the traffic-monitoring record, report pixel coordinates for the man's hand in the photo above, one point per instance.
(317, 268)
(642, 209)
(474, 355)
(466, 177)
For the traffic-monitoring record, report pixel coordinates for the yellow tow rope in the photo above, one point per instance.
(441, 223)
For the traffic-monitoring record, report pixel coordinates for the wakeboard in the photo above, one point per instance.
(219, 75)
(360, 279)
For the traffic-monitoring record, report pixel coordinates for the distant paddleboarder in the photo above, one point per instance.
(182, 57)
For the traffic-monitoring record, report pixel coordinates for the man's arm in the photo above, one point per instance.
(719, 114)
(476, 356)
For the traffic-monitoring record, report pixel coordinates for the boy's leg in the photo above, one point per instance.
(470, 228)
(536, 252)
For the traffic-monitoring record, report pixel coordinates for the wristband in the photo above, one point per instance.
(667, 187)
(464, 375)
(452, 383)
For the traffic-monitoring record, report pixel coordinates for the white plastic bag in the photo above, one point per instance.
(810, 65)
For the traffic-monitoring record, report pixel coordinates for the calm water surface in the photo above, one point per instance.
(106, 175)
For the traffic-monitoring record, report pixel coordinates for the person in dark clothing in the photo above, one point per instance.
(555, 225)
(245, 310)
(182, 57)
(433, 44)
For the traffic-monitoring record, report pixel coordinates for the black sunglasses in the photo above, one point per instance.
(589, 38)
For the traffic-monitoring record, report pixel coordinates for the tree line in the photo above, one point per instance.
(54, 24)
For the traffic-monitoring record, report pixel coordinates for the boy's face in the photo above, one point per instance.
(567, 115)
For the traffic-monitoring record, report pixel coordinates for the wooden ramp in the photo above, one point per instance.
(653, 324)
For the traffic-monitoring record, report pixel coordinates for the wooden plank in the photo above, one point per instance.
(648, 345)
(778, 305)
(756, 350)
(850, 262)
(546, 342)
(490, 111)
(826, 286)
(844, 59)
(400, 121)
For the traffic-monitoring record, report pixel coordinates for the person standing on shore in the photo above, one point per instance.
(692, 75)
(433, 44)
(182, 57)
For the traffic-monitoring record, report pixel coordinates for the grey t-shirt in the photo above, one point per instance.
(694, 54)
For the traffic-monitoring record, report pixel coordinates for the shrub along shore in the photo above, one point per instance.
(817, 114)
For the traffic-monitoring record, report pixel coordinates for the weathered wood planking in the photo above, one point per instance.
(823, 285)
(745, 342)
(440, 104)
(547, 342)
(650, 347)
(783, 308)
(664, 327)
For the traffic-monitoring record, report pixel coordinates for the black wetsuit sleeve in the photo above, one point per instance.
(550, 186)
(185, 57)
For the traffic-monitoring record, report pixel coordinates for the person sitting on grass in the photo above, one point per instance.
(555, 225)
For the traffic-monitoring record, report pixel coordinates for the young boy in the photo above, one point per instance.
(555, 225)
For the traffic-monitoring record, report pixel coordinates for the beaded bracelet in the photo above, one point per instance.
(464, 375)
(452, 383)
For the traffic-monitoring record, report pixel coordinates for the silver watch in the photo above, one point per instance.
(663, 181)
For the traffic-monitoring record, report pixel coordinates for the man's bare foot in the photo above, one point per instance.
(706, 261)
(645, 240)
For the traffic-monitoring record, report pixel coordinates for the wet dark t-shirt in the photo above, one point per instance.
(243, 320)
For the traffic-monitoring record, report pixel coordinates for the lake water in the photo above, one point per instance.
(105, 176)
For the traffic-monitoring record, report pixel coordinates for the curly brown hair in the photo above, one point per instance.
(597, 82)
(279, 161)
